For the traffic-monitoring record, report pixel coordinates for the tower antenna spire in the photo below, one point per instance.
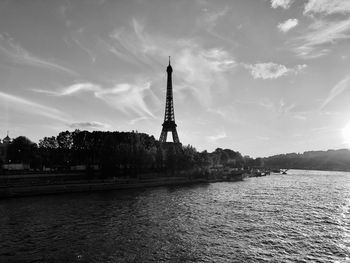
(169, 60)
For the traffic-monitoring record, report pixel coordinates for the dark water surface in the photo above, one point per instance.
(300, 217)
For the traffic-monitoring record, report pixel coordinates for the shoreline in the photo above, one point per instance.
(18, 185)
(91, 186)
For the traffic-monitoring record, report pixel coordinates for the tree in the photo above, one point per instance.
(65, 140)
(259, 162)
(21, 150)
(48, 143)
(65, 143)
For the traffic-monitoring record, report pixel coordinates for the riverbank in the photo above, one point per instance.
(93, 185)
(16, 185)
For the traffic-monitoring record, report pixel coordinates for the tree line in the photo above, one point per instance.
(131, 153)
(116, 153)
(331, 160)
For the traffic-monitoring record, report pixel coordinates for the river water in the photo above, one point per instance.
(300, 217)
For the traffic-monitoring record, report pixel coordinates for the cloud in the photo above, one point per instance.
(72, 89)
(228, 113)
(17, 54)
(319, 35)
(199, 71)
(112, 48)
(63, 12)
(135, 44)
(325, 30)
(281, 108)
(94, 125)
(81, 40)
(287, 25)
(299, 68)
(133, 121)
(281, 3)
(210, 18)
(266, 103)
(125, 97)
(218, 136)
(28, 106)
(339, 88)
(83, 47)
(271, 70)
(202, 72)
(327, 7)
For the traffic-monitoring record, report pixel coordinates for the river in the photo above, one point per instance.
(300, 217)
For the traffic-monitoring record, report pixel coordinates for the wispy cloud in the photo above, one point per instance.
(211, 17)
(133, 121)
(280, 108)
(203, 70)
(316, 41)
(94, 125)
(220, 135)
(266, 103)
(327, 7)
(27, 106)
(271, 70)
(339, 88)
(281, 3)
(284, 108)
(115, 50)
(325, 29)
(82, 46)
(199, 70)
(72, 89)
(125, 97)
(63, 12)
(287, 25)
(135, 44)
(17, 54)
(227, 113)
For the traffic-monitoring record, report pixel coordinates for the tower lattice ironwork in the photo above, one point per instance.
(169, 124)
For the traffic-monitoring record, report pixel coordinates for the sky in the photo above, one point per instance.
(261, 77)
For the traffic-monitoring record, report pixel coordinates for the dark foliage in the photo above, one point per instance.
(116, 154)
(132, 153)
(337, 160)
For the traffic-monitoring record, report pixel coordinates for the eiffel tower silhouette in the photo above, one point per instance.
(169, 124)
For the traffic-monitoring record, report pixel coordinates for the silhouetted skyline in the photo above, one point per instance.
(259, 77)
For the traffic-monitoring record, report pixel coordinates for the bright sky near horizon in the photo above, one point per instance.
(260, 76)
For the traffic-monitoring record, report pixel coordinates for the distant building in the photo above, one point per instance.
(3, 148)
(7, 139)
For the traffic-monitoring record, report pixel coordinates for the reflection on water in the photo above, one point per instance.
(303, 216)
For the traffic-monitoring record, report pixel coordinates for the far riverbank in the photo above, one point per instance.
(91, 185)
(17, 185)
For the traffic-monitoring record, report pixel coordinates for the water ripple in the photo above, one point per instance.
(300, 217)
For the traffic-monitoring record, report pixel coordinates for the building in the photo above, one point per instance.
(3, 148)
(169, 124)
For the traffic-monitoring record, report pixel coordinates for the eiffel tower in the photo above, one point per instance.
(169, 124)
